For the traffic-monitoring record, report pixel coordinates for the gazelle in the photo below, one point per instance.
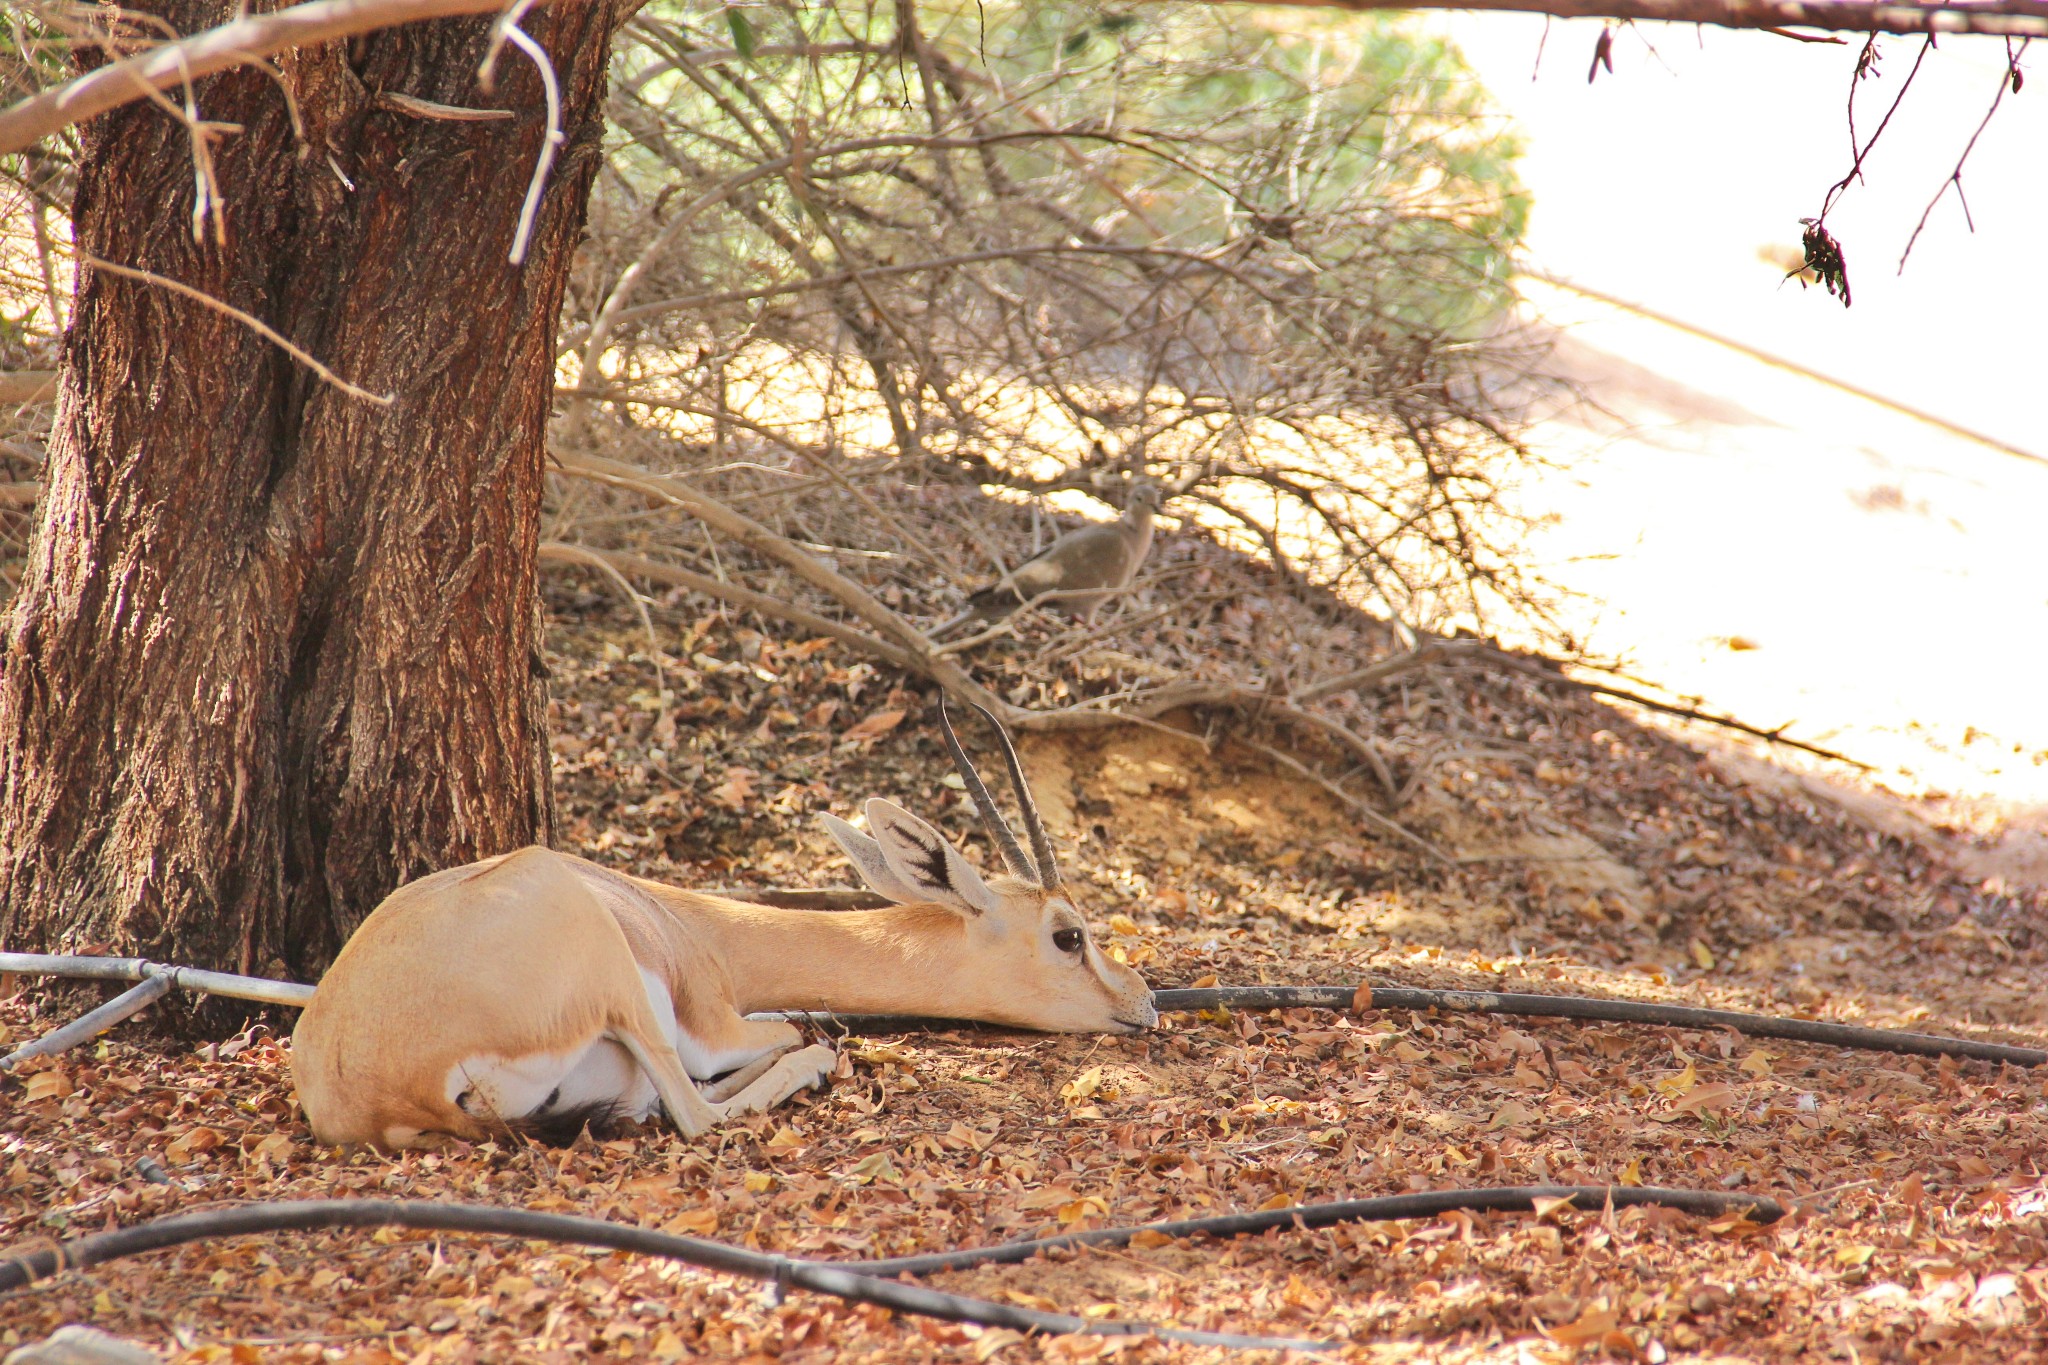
(535, 991)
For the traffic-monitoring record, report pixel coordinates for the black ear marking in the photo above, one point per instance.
(933, 862)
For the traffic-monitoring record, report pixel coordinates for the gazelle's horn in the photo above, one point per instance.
(1041, 843)
(998, 828)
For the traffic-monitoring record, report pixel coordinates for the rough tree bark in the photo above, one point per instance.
(276, 649)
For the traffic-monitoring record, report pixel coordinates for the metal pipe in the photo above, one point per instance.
(86, 1026)
(87, 968)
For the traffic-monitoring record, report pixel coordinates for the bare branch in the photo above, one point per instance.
(809, 568)
(639, 566)
(237, 44)
(2014, 18)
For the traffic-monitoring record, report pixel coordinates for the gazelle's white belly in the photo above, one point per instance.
(593, 1071)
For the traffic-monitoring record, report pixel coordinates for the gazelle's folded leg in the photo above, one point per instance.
(725, 1087)
(691, 1113)
(790, 1073)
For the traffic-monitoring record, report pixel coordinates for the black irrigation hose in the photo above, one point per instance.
(823, 1277)
(858, 1281)
(1531, 1006)
(1509, 1199)
(1617, 1011)
(1209, 998)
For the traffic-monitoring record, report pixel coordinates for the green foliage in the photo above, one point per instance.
(1293, 121)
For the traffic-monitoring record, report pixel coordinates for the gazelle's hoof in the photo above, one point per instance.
(815, 1062)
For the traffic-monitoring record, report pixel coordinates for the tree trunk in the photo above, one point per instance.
(276, 648)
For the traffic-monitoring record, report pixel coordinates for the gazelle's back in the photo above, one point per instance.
(400, 1009)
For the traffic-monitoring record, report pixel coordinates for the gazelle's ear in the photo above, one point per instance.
(923, 859)
(868, 861)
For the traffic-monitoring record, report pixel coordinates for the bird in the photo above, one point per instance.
(1085, 567)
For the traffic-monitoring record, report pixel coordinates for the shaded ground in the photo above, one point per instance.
(1606, 859)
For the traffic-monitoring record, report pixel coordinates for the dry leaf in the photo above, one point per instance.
(693, 1223)
(1074, 1210)
(48, 1085)
(737, 789)
(875, 1166)
(1682, 1082)
(1513, 1114)
(1082, 1086)
(1595, 1323)
(994, 1339)
(275, 1148)
(190, 1143)
(874, 727)
(1714, 1096)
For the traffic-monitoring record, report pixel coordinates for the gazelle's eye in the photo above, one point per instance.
(1067, 940)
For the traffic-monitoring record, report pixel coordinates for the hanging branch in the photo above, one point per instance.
(2008, 77)
(2016, 18)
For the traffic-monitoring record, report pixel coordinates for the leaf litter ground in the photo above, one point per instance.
(1597, 856)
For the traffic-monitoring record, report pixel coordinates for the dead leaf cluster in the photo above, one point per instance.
(1605, 858)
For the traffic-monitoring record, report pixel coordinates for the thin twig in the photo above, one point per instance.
(676, 576)
(551, 144)
(1955, 177)
(448, 113)
(255, 324)
(27, 386)
(1532, 669)
(1420, 657)
(2016, 18)
(818, 460)
(1359, 807)
(1856, 162)
(578, 554)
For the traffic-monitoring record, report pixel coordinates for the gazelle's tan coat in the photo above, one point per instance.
(538, 985)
